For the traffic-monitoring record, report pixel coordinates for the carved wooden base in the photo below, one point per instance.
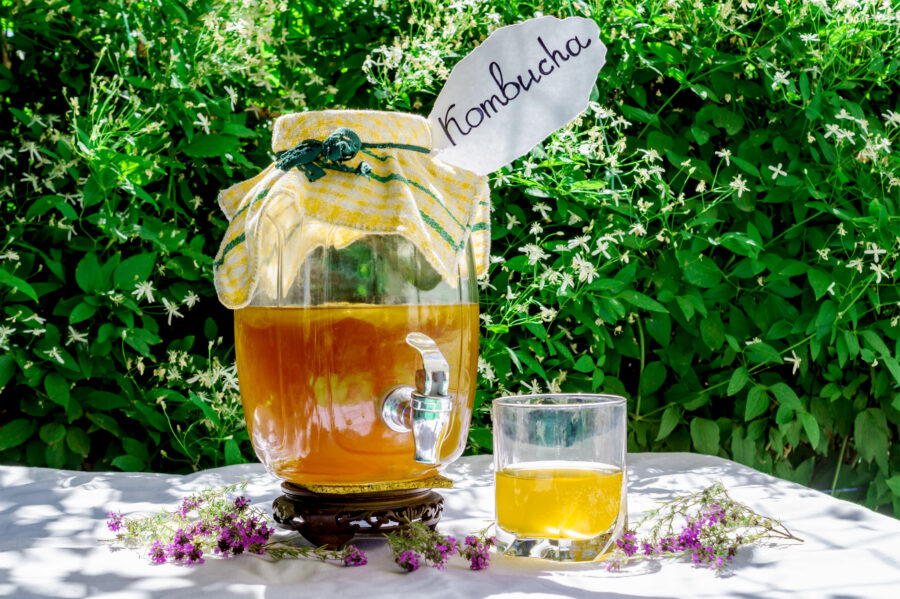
(333, 519)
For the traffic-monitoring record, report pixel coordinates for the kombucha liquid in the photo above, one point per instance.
(553, 501)
(313, 378)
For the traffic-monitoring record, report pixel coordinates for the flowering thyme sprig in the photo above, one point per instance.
(419, 544)
(707, 527)
(211, 523)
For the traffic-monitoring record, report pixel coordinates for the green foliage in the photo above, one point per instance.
(119, 124)
(715, 238)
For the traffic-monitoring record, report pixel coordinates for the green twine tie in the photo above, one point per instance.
(313, 156)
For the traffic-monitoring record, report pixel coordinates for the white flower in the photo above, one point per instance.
(544, 209)
(511, 221)
(32, 149)
(879, 272)
(143, 289)
(832, 129)
(203, 122)
(650, 155)
(75, 337)
(5, 332)
(536, 228)
(232, 95)
(602, 248)
(725, 155)
(581, 241)
(35, 318)
(855, 263)
(171, 310)
(567, 281)
(637, 229)
(794, 360)
(5, 152)
(809, 37)
(532, 387)
(534, 253)
(739, 185)
(30, 178)
(776, 170)
(831, 288)
(586, 270)
(547, 314)
(752, 341)
(191, 299)
(54, 353)
(780, 78)
(874, 251)
(890, 117)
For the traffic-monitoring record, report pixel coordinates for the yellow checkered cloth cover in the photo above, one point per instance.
(437, 207)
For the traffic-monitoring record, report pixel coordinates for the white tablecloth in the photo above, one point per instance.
(50, 521)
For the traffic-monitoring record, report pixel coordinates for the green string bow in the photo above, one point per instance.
(312, 155)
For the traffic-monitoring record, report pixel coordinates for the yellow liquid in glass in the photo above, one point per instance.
(558, 502)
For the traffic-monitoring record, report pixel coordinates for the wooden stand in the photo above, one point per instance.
(333, 519)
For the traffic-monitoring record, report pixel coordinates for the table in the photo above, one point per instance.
(50, 521)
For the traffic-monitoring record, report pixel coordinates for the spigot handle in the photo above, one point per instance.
(434, 378)
(426, 410)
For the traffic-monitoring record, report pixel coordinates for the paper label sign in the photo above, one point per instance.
(515, 89)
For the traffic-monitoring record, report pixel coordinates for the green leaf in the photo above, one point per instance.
(871, 435)
(893, 484)
(786, 396)
(705, 435)
(757, 402)
(811, 426)
(134, 270)
(52, 432)
(653, 377)
(210, 145)
(135, 448)
(639, 300)
(107, 423)
(670, 419)
(738, 379)
(481, 437)
(745, 166)
(712, 330)
(233, 453)
(57, 388)
(78, 441)
(702, 272)
(128, 463)
(819, 281)
(762, 353)
(584, 364)
(87, 273)
(15, 432)
(81, 313)
(7, 369)
(17, 284)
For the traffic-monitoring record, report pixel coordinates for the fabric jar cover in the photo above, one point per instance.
(345, 174)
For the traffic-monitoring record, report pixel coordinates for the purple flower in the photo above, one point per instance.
(627, 543)
(194, 554)
(188, 504)
(478, 553)
(158, 553)
(241, 503)
(355, 557)
(408, 560)
(115, 521)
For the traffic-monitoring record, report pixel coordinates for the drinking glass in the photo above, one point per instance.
(560, 471)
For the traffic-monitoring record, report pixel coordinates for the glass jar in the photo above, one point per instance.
(324, 343)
